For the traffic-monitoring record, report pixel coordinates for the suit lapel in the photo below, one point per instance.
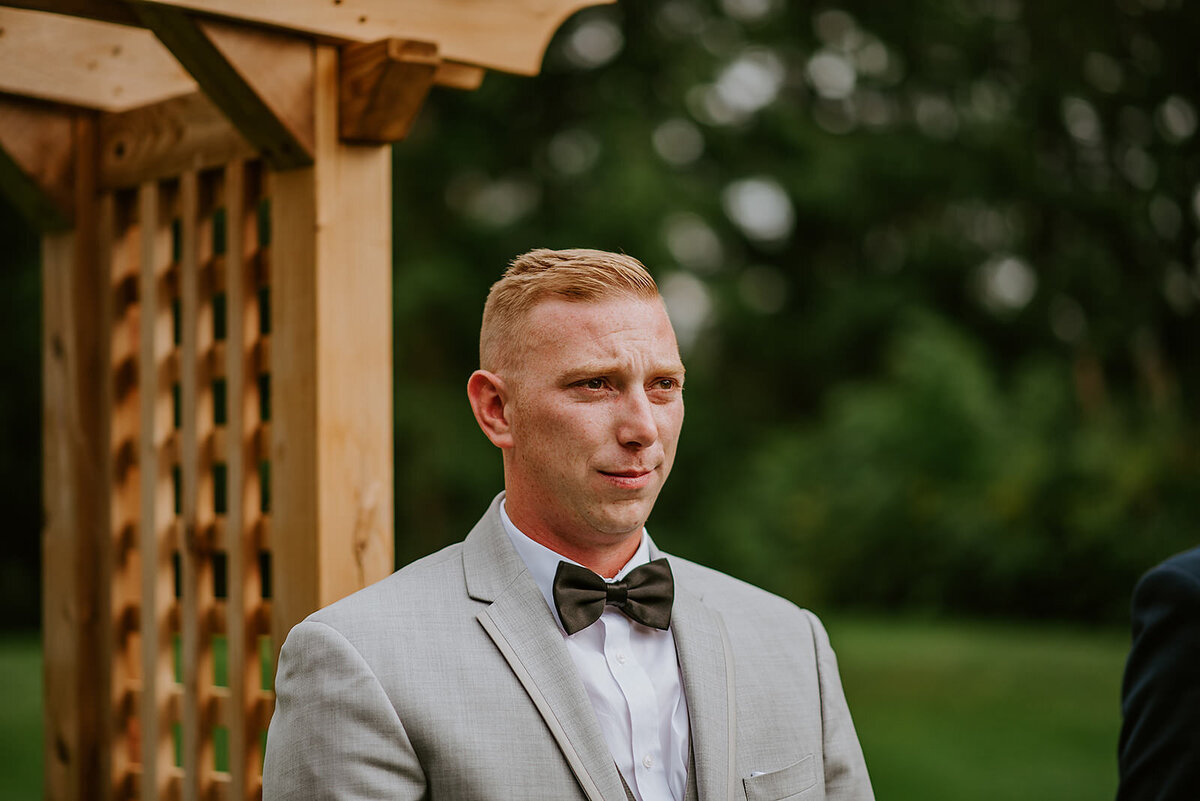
(706, 663)
(525, 632)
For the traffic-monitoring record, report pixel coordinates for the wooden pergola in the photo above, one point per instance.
(212, 183)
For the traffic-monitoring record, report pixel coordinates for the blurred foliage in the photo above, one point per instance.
(934, 267)
(934, 487)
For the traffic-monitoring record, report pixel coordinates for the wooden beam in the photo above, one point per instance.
(508, 35)
(81, 62)
(102, 10)
(456, 75)
(262, 80)
(36, 161)
(331, 356)
(165, 139)
(382, 87)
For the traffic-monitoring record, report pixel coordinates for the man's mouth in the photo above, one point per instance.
(631, 479)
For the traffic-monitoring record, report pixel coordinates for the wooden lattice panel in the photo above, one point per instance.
(164, 341)
(189, 572)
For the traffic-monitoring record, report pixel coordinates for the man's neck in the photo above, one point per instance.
(604, 559)
(606, 562)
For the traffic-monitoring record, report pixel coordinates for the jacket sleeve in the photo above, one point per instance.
(1159, 748)
(846, 776)
(335, 735)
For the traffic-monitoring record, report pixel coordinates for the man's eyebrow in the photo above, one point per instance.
(592, 369)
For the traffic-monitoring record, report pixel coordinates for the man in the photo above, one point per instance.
(505, 667)
(1159, 750)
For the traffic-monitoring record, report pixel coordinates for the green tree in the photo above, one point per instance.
(933, 265)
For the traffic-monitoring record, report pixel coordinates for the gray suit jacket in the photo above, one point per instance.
(450, 680)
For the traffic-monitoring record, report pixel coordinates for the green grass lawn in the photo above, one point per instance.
(20, 717)
(983, 711)
(944, 710)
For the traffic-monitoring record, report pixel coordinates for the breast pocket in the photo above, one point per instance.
(792, 782)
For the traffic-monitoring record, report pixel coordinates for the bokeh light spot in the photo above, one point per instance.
(760, 208)
(594, 42)
(678, 142)
(1006, 283)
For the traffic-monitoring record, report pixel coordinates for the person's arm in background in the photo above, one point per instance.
(1159, 749)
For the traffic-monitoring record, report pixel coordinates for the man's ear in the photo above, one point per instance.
(489, 401)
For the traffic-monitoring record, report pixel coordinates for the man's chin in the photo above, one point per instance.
(623, 519)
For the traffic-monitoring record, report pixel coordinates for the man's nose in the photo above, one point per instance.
(636, 425)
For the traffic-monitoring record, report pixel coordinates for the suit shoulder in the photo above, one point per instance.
(1187, 562)
(728, 594)
(1181, 571)
(428, 576)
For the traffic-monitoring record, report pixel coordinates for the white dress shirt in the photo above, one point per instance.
(631, 674)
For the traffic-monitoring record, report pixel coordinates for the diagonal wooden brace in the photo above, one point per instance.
(262, 80)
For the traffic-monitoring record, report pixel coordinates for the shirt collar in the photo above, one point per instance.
(543, 562)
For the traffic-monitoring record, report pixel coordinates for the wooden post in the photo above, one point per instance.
(75, 489)
(331, 348)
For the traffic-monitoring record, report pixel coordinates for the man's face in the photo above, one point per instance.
(595, 407)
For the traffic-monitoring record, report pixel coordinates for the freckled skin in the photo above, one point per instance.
(588, 417)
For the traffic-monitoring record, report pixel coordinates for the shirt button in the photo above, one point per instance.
(621, 659)
(648, 761)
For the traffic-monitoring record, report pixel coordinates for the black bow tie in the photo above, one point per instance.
(644, 595)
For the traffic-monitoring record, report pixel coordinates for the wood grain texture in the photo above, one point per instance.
(331, 368)
(191, 634)
(277, 66)
(36, 161)
(82, 62)
(293, 454)
(164, 139)
(108, 741)
(121, 231)
(260, 79)
(382, 87)
(354, 356)
(201, 548)
(157, 508)
(75, 492)
(245, 595)
(456, 75)
(508, 35)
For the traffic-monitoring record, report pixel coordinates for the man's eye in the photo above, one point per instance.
(594, 383)
(666, 383)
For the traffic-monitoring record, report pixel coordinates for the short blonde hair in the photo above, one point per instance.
(576, 275)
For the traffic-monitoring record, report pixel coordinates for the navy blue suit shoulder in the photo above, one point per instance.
(1159, 748)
